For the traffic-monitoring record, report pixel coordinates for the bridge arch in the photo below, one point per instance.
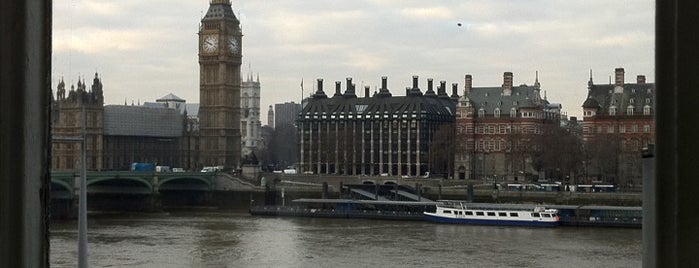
(189, 183)
(120, 184)
(61, 190)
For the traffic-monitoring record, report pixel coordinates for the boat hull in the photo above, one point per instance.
(440, 219)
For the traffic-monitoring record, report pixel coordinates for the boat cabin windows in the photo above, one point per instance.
(447, 212)
(535, 214)
(491, 213)
(502, 214)
(514, 214)
(479, 213)
(546, 215)
(469, 213)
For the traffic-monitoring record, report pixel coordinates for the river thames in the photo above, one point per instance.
(213, 238)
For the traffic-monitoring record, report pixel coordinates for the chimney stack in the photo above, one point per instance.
(366, 91)
(641, 79)
(454, 91)
(619, 77)
(337, 89)
(468, 84)
(349, 93)
(430, 90)
(415, 91)
(319, 92)
(383, 92)
(442, 90)
(507, 84)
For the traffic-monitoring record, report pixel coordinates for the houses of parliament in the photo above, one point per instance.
(165, 132)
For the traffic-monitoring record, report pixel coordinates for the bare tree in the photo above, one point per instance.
(558, 152)
(280, 148)
(602, 155)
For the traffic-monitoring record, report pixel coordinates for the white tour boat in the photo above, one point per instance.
(462, 213)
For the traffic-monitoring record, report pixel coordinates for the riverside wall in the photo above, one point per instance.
(310, 186)
(233, 193)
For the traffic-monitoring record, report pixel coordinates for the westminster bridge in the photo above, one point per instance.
(137, 191)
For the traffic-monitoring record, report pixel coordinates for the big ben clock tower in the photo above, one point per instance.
(220, 47)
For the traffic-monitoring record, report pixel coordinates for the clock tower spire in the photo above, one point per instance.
(220, 58)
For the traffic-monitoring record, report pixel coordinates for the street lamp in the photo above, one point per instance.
(82, 198)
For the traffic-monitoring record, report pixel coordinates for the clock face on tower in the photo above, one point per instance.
(233, 45)
(210, 43)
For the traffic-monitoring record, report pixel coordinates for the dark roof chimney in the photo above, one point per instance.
(507, 84)
(454, 91)
(619, 77)
(383, 92)
(320, 94)
(337, 89)
(468, 84)
(415, 91)
(641, 79)
(350, 89)
(430, 91)
(442, 91)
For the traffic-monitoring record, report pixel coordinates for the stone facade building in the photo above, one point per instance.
(220, 54)
(69, 112)
(164, 132)
(270, 117)
(116, 135)
(380, 134)
(250, 123)
(617, 124)
(496, 129)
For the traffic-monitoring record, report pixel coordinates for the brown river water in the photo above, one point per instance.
(211, 238)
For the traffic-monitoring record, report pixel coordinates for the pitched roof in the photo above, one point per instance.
(490, 98)
(124, 120)
(220, 10)
(382, 106)
(170, 97)
(636, 96)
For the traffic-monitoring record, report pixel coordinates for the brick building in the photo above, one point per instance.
(617, 123)
(497, 129)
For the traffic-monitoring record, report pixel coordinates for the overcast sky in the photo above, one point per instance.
(144, 50)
